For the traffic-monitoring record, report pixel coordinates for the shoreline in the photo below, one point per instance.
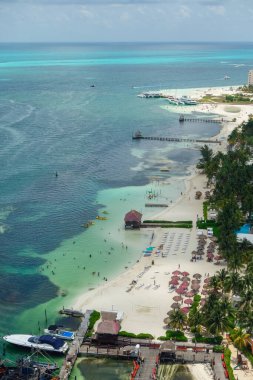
(152, 285)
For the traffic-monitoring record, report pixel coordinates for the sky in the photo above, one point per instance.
(125, 20)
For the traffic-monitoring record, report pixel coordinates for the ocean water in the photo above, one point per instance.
(72, 109)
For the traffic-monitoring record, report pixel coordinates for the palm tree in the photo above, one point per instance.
(240, 338)
(195, 319)
(217, 321)
(221, 277)
(177, 320)
(233, 283)
(246, 302)
(245, 319)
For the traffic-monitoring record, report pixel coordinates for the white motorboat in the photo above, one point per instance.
(43, 342)
(59, 332)
(188, 101)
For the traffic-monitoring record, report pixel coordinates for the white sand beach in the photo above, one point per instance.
(146, 302)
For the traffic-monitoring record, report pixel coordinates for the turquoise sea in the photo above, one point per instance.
(72, 109)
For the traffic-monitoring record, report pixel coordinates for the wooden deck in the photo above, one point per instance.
(175, 139)
(74, 348)
(199, 120)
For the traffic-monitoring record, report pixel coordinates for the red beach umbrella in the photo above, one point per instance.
(190, 293)
(204, 292)
(185, 274)
(180, 291)
(188, 301)
(207, 280)
(177, 298)
(197, 275)
(195, 286)
(176, 272)
(185, 310)
(184, 286)
(210, 255)
(174, 282)
(175, 277)
(202, 302)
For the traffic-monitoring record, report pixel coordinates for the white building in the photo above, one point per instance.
(250, 78)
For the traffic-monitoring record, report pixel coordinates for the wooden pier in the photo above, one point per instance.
(156, 205)
(139, 136)
(74, 348)
(182, 118)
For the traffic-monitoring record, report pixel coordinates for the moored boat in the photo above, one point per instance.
(59, 332)
(42, 342)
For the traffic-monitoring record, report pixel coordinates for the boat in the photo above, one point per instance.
(42, 342)
(188, 101)
(226, 77)
(174, 101)
(59, 332)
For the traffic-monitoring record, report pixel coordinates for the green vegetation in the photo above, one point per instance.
(204, 224)
(176, 335)
(137, 336)
(237, 98)
(94, 317)
(205, 210)
(216, 340)
(218, 348)
(227, 360)
(170, 224)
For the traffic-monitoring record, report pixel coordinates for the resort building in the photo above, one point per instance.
(250, 78)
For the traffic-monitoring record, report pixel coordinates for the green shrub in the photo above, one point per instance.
(227, 360)
(127, 334)
(216, 340)
(174, 335)
(136, 336)
(94, 317)
(144, 336)
(218, 348)
(205, 210)
(203, 224)
(171, 224)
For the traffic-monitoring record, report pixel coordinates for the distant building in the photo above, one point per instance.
(133, 219)
(250, 78)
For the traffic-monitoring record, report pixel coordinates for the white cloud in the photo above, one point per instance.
(184, 11)
(217, 9)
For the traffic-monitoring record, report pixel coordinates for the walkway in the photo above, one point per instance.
(74, 348)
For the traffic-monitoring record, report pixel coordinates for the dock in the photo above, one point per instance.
(156, 205)
(139, 136)
(145, 355)
(182, 118)
(75, 345)
(71, 312)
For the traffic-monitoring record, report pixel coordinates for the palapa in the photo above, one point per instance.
(175, 305)
(177, 298)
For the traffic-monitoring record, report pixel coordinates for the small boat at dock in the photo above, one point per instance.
(59, 332)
